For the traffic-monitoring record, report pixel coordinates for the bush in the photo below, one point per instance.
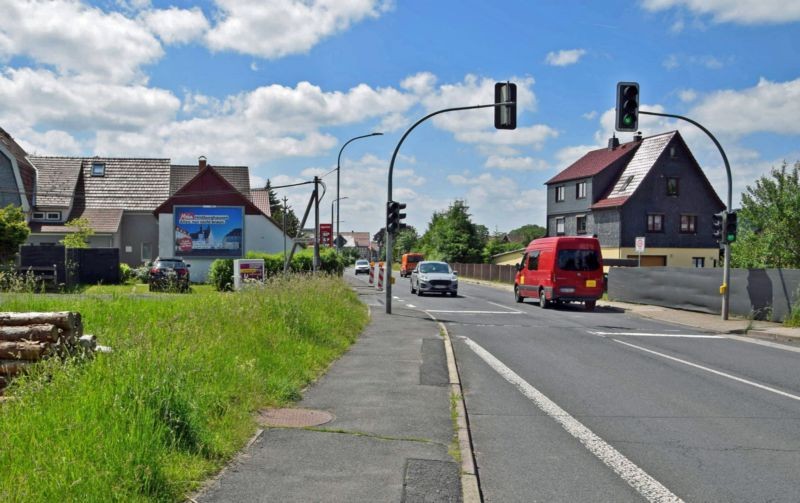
(125, 273)
(220, 274)
(12, 281)
(302, 261)
(141, 274)
(793, 318)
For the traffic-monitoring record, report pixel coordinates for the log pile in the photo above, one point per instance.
(26, 338)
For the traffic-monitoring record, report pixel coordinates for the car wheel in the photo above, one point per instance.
(454, 294)
(419, 291)
(589, 305)
(412, 288)
(517, 295)
(543, 302)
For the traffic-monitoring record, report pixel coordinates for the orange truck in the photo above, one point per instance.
(409, 262)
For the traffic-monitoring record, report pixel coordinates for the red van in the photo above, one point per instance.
(561, 269)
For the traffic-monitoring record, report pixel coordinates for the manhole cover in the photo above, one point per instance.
(294, 418)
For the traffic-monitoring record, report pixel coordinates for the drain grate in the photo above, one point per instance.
(294, 418)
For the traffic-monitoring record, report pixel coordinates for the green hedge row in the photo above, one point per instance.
(221, 272)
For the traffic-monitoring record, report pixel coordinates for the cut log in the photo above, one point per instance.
(24, 350)
(10, 368)
(39, 333)
(65, 320)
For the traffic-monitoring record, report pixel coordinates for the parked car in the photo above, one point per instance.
(169, 273)
(430, 276)
(561, 269)
(408, 262)
(362, 266)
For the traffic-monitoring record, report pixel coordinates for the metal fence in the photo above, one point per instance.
(72, 265)
(486, 272)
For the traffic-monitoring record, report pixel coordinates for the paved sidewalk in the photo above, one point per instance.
(390, 436)
(702, 321)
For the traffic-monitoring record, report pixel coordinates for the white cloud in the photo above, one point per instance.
(516, 163)
(77, 39)
(176, 26)
(671, 62)
(420, 83)
(531, 136)
(564, 57)
(735, 11)
(277, 28)
(590, 115)
(687, 95)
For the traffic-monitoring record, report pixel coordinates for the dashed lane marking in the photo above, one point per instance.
(642, 334)
(471, 312)
(644, 484)
(504, 307)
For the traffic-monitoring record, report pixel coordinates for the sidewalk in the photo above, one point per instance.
(391, 432)
(701, 321)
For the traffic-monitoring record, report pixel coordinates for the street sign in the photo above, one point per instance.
(640, 244)
(326, 234)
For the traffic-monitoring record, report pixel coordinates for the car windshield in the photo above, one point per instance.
(434, 267)
(362, 262)
(174, 264)
(578, 260)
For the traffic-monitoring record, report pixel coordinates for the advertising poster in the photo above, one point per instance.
(209, 231)
(326, 234)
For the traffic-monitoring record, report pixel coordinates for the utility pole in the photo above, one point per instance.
(315, 264)
(285, 209)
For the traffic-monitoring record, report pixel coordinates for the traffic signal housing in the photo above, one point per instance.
(717, 225)
(627, 107)
(505, 116)
(731, 227)
(394, 217)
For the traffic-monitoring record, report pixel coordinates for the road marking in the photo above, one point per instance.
(411, 305)
(395, 297)
(504, 307)
(647, 486)
(472, 312)
(717, 372)
(641, 334)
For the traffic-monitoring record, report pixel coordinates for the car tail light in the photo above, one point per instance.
(154, 270)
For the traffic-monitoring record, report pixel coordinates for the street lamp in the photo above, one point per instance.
(336, 240)
(338, 170)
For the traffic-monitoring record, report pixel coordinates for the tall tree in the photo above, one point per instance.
(13, 232)
(526, 233)
(453, 237)
(405, 242)
(769, 221)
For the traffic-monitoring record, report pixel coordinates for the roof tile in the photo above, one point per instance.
(593, 162)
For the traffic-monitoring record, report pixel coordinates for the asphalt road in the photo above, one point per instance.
(569, 405)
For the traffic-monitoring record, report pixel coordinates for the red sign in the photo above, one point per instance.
(185, 244)
(326, 234)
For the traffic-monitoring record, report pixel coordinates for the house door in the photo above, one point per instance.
(651, 260)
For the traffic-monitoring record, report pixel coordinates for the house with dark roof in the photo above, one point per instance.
(650, 187)
(17, 175)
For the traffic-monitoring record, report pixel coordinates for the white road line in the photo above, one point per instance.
(647, 486)
(640, 334)
(717, 372)
(472, 312)
(504, 307)
(410, 305)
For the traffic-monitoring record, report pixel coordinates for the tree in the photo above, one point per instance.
(526, 233)
(276, 210)
(405, 241)
(769, 221)
(79, 238)
(453, 237)
(13, 232)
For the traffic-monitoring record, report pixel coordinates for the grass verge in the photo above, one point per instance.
(174, 401)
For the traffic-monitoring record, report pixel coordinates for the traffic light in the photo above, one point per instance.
(730, 227)
(627, 106)
(394, 217)
(505, 117)
(717, 223)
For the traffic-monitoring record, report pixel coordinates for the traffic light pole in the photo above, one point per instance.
(726, 246)
(388, 240)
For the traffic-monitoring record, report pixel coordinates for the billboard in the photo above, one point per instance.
(209, 231)
(326, 234)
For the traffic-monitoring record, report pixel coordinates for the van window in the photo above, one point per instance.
(533, 261)
(413, 259)
(578, 260)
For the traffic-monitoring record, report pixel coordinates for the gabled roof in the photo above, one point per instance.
(260, 198)
(102, 221)
(650, 149)
(26, 171)
(238, 176)
(593, 162)
(58, 176)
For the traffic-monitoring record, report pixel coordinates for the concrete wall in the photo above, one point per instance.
(260, 235)
(762, 293)
(135, 230)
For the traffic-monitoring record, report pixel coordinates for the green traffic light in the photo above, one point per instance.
(627, 119)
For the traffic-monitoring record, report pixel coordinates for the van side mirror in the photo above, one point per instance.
(519, 266)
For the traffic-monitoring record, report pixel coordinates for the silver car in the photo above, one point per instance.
(434, 277)
(362, 266)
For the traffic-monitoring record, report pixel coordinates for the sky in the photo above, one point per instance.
(281, 85)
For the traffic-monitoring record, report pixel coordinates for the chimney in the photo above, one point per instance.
(613, 142)
(637, 136)
(201, 161)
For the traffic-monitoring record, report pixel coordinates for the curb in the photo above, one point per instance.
(470, 487)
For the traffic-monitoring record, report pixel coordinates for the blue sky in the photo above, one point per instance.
(281, 85)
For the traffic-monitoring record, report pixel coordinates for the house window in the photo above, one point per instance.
(147, 253)
(688, 224)
(560, 226)
(560, 193)
(699, 261)
(533, 261)
(580, 224)
(580, 190)
(38, 215)
(672, 186)
(655, 223)
(626, 182)
(98, 169)
(54, 215)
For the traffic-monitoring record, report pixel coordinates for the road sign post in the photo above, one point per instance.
(640, 248)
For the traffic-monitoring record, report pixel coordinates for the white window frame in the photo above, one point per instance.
(561, 193)
(560, 223)
(98, 169)
(53, 215)
(38, 215)
(577, 225)
(580, 190)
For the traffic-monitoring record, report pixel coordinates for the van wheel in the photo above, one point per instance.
(589, 305)
(543, 302)
(517, 296)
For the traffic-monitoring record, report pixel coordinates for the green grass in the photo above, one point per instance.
(175, 400)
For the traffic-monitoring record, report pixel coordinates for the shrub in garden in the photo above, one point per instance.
(220, 274)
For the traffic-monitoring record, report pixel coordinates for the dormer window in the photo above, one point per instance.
(98, 169)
